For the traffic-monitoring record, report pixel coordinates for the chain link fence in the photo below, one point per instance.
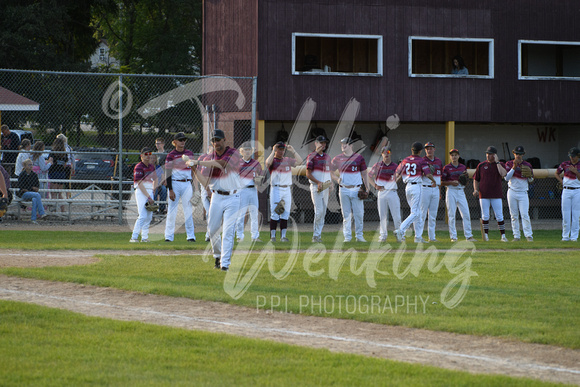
(106, 120)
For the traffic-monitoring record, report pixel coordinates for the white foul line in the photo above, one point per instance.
(297, 333)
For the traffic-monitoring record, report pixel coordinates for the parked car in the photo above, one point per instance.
(97, 164)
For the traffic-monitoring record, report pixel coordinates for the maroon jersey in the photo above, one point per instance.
(319, 164)
(281, 171)
(350, 168)
(227, 179)
(518, 170)
(384, 175)
(489, 180)
(412, 168)
(176, 167)
(144, 173)
(248, 170)
(452, 173)
(570, 179)
(436, 169)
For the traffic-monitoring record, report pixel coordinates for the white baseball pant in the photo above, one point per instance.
(184, 191)
(388, 200)
(429, 205)
(495, 204)
(144, 219)
(320, 202)
(570, 213)
(276, 194)
(205, 199)
(223, 209)
(519, 205)
(248, 201)
(413, 194)
(351, 206)
(455, 199)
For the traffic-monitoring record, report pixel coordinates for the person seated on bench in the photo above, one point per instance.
(28, 184)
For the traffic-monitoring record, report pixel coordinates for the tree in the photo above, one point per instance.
(46, 35)
(152, 36)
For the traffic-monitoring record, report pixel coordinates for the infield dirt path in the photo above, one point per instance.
(446, 350)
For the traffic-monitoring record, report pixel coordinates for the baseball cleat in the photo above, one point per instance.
(530, 239)
(382, 239)
(273, 239)
(239, 240)
(134, 240)
(224, 268)
(420, 240)
(399, 235)
(144, 240)
(217, 263)
(504, 238)
(565, 240)
(284, 239)
(486, 238)
(572, 240)
(346, 241)
(191, 240)
(433, 240)
(361, 240)
(453, 240)
(207, 239)
(516, 240)
(471, 239)
(316, 239)
(167, 240)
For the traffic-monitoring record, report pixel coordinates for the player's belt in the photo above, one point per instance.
(225, 193)
(571, 187)
(428, 186)
(183, 180)
(281, 186)
(251, 186)
(413, 183)
(351, 186)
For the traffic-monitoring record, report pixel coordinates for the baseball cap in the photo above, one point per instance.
(453, 151)
(179, 136)
(429, 144)
(574, 152)
(146, 150)
(519, 150)
(491, 150)
(417, 146)
(218, 134)
(347, 140)
(281, 144)
(246, 145)
(386, 148)
(321, 139)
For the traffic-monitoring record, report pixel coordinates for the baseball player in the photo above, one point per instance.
(382, 176)
(487, 185)
(517, 196)
(318, 172)
(570, 195)
(161, 190)
(251, 175)
(179, 177)
(430, 195)
(225, 184)
(352, 168)
(411, 170)
(280, 168)
(144, 182)
(455, 197)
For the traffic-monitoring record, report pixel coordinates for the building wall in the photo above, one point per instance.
(502, 99)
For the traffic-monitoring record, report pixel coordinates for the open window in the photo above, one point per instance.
(334, 54)
(434, 56)
(548, 60)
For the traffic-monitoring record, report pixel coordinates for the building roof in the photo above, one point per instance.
(10, 101)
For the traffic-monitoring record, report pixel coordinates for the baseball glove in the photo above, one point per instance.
(363, 194)
(151, 206)
(325, 185)
(526, 171)
(432, 169)
(3, 206)
(196, 198)
(280, 207)
(463, 179)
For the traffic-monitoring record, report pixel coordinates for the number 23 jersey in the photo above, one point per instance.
(412, 168)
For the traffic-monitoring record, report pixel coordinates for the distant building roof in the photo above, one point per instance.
(15, 102)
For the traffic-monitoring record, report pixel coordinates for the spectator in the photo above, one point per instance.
(24, 154)
(29, 186)
(70, 157)
(5, 184)
(57, 170)
(459, 66)
(40, 166)
(10, 141)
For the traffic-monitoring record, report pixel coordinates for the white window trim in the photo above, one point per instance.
(378, 38)
(542, 78)
(491, 59)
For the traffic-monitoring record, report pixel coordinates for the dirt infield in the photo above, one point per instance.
(446, 350)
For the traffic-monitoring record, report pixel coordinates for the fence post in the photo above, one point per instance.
(254, 98)
(120, 149)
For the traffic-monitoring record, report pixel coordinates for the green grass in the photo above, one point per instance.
(50, 347)
(532, 296)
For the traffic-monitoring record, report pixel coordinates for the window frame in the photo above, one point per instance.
(491, 57)
(378, 38)
(543, 77)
